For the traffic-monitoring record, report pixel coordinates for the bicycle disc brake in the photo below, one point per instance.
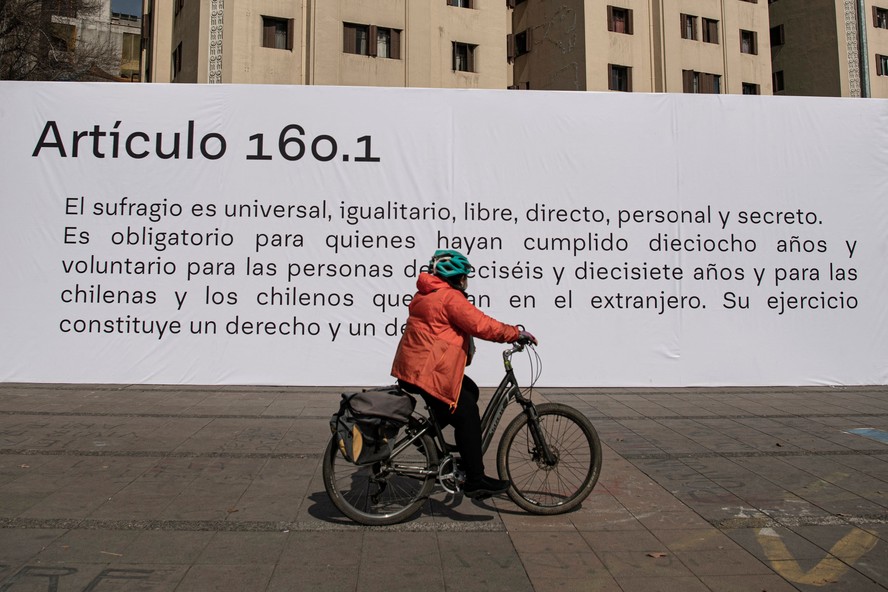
(450, 476)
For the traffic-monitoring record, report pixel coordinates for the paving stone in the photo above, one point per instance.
(484, 561)
(87, 546)
(748, 583)
(661, 584)
(233, 578)
(243, 548)
(158, 488)
(168, 547)
(320, 578)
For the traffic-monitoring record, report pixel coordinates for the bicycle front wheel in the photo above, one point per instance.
(541, 488)
(385, 492)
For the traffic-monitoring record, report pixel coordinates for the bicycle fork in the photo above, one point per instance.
(541, 448)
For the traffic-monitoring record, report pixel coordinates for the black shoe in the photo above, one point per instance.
(485, 487)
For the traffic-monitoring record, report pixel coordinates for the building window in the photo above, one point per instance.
(619, 78)
(63, 37)
(688, 27)
(520, 43)
(463, 57)
(752, 1)
(277, 33)
(880, 17)
(176, 63)
(619, 20)
(388, 42)
(66, 8)
(460, 3)
(710, 30)
(778, 81)
(748, 42)
(881, 65)
(383, 42)
(129, 56)
(777, 36)
(701, 82)
(751, 89)
(356, 38)
(370, 40)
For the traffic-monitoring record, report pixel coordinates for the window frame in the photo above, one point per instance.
(777, 35)
(881, 65)
(470, 4)
(778, 81)
(694, 82)
(619, 76)
(709, 29)
(688, 26)
(521, 43)
(470, 58)
(753, 41)
(880, 17)
(757, 88)
(356, 38)
(176, 62)
(273, 28)
(383, 43)
(364, 40)
(612, 20)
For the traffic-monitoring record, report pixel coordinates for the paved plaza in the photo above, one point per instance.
(125, 488)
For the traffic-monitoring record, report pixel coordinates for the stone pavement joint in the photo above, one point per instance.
(240, 526)
(157, 453)
(162, 488)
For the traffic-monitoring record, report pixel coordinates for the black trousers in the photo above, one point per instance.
(466, 422)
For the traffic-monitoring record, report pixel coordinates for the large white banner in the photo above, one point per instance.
(272, 235)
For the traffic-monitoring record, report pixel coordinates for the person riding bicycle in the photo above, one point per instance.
(434, 351)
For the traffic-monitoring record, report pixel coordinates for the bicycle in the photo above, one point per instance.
(550, 453)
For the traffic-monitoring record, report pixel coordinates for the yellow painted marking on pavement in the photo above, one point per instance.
(844, 553)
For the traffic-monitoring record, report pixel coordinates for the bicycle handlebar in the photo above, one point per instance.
(517, 347)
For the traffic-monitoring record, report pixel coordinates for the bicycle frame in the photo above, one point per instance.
(507, 391)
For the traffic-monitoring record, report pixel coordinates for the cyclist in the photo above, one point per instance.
(434, 350)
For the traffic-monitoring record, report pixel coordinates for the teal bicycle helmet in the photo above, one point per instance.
(446, 263)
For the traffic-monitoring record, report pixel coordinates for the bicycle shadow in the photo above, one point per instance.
(436, 506)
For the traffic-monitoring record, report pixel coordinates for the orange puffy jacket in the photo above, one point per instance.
(433, 350)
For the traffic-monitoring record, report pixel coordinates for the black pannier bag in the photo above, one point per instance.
(368, 420)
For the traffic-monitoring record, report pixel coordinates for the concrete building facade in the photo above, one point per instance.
(643, 45)
(448, 44)
(799, 47)
(836, 48)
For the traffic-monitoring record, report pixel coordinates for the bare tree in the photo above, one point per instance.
(56, 40)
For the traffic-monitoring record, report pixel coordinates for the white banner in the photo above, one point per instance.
(272, 235)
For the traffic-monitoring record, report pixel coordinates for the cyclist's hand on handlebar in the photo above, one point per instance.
(525, 337)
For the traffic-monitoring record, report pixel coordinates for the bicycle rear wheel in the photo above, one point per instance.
(386, 492)
(536, 486)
